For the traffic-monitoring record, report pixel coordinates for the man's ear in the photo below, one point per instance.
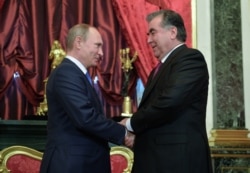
(173, 32)
(78, 41)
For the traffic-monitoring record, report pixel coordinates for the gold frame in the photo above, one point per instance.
(8, 152)
(127, 153)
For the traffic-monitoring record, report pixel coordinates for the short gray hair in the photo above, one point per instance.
(77, 30)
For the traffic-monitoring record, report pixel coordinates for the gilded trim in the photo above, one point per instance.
(230, 155)
(127, 153)
(230, 149)
(6, 153)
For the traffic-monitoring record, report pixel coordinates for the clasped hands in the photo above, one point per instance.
(130, 137)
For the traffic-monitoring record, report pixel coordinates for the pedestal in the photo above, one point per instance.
(30, 133)
(229, 137)
(127, 107)
(230, 151)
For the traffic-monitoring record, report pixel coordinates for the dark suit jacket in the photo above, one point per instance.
(78, 131)
(170, 122)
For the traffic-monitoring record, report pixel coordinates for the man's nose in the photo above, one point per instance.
(100, 52)
(149, 40)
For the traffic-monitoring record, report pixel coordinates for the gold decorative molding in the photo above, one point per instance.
(8, 152)
(126, 153)
(229, 137)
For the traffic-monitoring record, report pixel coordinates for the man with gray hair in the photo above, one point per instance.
(78, 130)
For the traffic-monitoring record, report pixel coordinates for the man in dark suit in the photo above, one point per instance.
(78, 131)
(170, 123)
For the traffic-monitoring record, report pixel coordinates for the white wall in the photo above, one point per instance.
(204, 17)
(245, 24)
(203, 43)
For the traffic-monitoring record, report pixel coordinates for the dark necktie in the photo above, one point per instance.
(157, 68)
(89, 78)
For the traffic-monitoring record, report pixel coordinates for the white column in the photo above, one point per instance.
(245, 24)
(203, 43)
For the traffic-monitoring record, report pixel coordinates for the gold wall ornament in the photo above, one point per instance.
(56, 54)
(127, 67)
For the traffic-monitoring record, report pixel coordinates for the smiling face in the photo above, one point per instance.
(162, 40)
(91, 52)
(85, 44)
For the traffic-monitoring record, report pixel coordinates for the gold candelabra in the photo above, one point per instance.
(127, 67)
(56, 54)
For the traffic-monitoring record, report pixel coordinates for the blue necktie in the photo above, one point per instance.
(89, 78)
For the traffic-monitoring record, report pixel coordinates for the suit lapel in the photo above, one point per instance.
(90, 87)
(152, 81)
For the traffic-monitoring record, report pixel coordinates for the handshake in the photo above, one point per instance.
(130, 137)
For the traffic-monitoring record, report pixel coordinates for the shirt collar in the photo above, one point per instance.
(165, 57)
(77, 63)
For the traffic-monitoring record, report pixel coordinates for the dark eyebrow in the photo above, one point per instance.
(98, 44)
(151, 30)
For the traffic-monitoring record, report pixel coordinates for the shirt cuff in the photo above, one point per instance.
(128, 125)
